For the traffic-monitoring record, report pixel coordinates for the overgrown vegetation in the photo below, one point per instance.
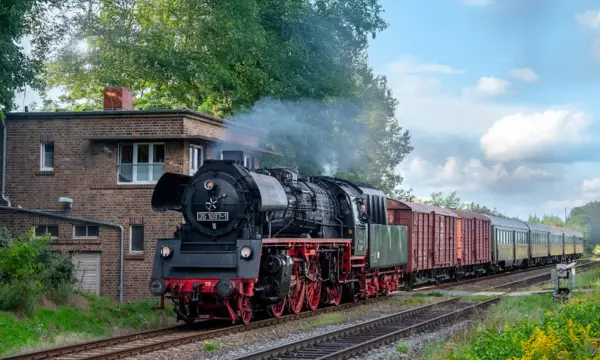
(28, 268)
(529, 327)
(31, 271)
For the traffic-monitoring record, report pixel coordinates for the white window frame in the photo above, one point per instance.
(135, 163)
(86, 231)
(247, 160)
(47, 232)
(43, 156)
(221, 155)
(200, 150)
(131, 238)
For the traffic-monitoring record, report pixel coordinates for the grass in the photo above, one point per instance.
(67, 325)
(326, 319)
(475, 298)
(402, 348)
(210, 346)
(528, 326)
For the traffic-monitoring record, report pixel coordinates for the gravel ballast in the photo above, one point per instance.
(231, 346)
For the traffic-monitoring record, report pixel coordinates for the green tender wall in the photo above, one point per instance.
(388, 245)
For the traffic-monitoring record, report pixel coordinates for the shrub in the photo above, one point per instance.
(5, 238)
(28, 267)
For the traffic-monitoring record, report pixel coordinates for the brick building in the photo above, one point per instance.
(80, 168)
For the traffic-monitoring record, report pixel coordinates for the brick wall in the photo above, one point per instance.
(86, 171)
(107, 243)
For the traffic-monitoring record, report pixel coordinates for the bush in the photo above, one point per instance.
(571, 331)
(29, 267)
(597, 250)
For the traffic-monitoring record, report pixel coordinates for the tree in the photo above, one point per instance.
(18, 19)
(295, 67)
(451, 201)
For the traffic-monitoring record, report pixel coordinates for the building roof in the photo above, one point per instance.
(62, 115)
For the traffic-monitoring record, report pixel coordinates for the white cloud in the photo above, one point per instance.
(490, 85)
(476, 2)
(470, 176)
(525, 74)
(591, 185)
(409, 65)
(590, 18)
(520, 137)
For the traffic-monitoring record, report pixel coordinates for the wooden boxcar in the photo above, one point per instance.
(431, 240)
(509, 242)
(473, 245)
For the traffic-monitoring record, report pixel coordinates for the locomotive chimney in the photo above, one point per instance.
(117, 98)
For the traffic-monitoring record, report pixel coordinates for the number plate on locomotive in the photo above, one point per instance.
(212, 216)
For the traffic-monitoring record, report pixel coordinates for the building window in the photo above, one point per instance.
(42, 230)
(136, 243)
(248, 162)
(85, 231)
(47, 156)
(196, 158)
(142, 163)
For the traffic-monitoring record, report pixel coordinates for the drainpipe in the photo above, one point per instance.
(70, 218)
(3, 179)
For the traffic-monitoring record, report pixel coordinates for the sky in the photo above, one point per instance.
(501, 97)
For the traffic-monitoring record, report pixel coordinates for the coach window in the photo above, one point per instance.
(136, 240)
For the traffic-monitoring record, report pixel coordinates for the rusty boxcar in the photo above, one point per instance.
(473, 245)
(431, 240)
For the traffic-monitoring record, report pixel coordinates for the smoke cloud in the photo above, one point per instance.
(320, 138)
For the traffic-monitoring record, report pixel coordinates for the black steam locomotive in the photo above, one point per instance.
(267, 240)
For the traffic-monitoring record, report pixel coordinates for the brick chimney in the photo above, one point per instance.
(117, 98)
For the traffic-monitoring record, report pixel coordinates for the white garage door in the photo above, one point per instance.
(87, 266)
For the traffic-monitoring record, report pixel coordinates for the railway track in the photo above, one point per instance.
(154, 340)
(356, 339)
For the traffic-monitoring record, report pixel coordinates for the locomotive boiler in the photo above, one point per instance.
(267, 240)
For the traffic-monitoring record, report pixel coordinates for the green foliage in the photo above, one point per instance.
(301, 63)
(20, 18)
(453, 201)
(100, 320)
(5, 238)
(528, 327)
(402, 348)
(570, 330)
(28, 268)
(596, 251)
(548, 219)
(210, 346)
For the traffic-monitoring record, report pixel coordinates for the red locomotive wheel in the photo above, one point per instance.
(313, 286)
(245, 309)
(296, 297)
(277, 309)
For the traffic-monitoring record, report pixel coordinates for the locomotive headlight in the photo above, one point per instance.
(209, 184)
(246, 252)
(166, 251)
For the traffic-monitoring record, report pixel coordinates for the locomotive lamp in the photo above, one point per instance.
(166, 251)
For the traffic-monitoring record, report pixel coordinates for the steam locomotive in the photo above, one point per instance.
(267, 240)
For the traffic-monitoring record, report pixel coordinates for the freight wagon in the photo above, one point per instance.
(432, 244)
(450, 244)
